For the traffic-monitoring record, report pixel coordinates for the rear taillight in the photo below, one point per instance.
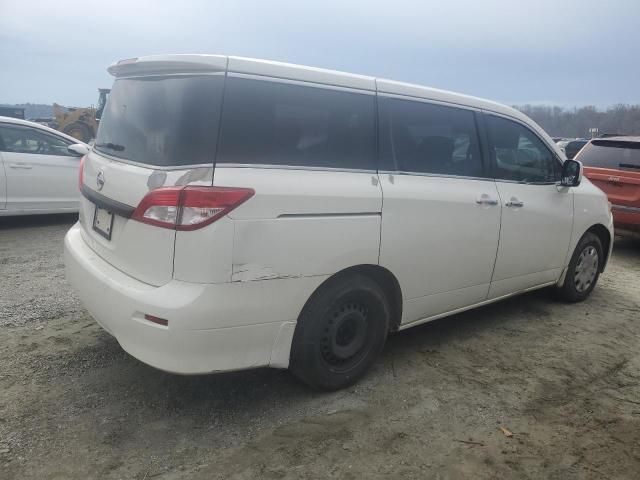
(81, 174)
(189, 208)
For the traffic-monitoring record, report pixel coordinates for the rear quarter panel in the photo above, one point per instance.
(302, 222)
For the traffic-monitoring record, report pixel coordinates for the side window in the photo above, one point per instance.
(426, 138)
(518, 154)
(276, 123)
(19, 139)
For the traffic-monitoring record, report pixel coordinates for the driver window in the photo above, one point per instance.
(28, 140)
(519, 155)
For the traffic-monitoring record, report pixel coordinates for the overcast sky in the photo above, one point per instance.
(572, 52)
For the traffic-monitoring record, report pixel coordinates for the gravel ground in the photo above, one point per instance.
(562, 379)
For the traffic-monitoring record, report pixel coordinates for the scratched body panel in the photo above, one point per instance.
(304, 246)
(302, 223)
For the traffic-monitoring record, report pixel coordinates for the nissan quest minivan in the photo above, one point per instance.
(241, 213)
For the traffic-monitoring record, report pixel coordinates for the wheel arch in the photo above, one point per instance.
(604, 236)
(383, 277)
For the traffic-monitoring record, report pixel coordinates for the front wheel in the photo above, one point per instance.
(583, 270)
(340, 332)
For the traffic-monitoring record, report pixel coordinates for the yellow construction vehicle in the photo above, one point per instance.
(80, 123)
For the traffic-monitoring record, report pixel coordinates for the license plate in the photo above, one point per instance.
(103, 222)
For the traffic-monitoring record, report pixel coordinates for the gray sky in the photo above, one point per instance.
(571, 52)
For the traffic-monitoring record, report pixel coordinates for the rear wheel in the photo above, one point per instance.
(340, 332)
(584, 269)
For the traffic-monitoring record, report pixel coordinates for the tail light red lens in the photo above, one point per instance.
(189, 208)
(81, 174)
(159, 207)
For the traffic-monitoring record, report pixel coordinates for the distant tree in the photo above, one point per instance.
(576, 122)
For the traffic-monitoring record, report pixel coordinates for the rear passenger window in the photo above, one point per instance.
(277, 123)
(518, 154)
(426, 138)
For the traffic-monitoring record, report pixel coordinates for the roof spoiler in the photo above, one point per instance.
(168, 64)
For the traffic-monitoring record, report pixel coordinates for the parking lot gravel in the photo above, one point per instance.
(526, 388)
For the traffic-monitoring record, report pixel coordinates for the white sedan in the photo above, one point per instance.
(38, 169)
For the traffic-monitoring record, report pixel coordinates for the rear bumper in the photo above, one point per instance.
(211, 327)
(626, 218)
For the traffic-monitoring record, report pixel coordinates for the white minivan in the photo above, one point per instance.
(241, 213)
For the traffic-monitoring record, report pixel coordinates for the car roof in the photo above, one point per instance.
(197, 63)
(620, 138)
(39, 126)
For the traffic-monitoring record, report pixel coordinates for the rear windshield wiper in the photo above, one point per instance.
(111, 146)
(629, 165)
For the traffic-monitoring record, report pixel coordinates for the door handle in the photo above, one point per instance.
(485, 199)
(514, 202)
(24, 166)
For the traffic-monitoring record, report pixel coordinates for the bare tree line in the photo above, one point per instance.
(557, 121)
(576, 122)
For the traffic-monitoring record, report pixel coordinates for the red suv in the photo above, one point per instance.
(613, 164)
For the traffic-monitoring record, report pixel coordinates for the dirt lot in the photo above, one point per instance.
(565, 379)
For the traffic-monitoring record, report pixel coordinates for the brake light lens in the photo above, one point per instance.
(81, 174)
(189, 208)
(159, 207)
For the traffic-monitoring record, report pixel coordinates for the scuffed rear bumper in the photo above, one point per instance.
(212, 327)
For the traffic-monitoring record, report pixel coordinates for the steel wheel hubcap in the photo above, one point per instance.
(586, 269)
(345, 334)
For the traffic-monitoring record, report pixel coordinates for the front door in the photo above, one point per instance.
(41, 174)
(440, 214)
(537, 214)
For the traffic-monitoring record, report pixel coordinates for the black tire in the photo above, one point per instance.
(341, 331)
(79, 131)
(576, 287)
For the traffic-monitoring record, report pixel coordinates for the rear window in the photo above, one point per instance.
(275, 123)
(619, 155)
(162, 120)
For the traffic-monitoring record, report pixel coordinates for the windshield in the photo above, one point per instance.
(616, 154)
(162, 120)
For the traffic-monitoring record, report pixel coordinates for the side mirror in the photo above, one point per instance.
(78, 149)
(571, 173)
